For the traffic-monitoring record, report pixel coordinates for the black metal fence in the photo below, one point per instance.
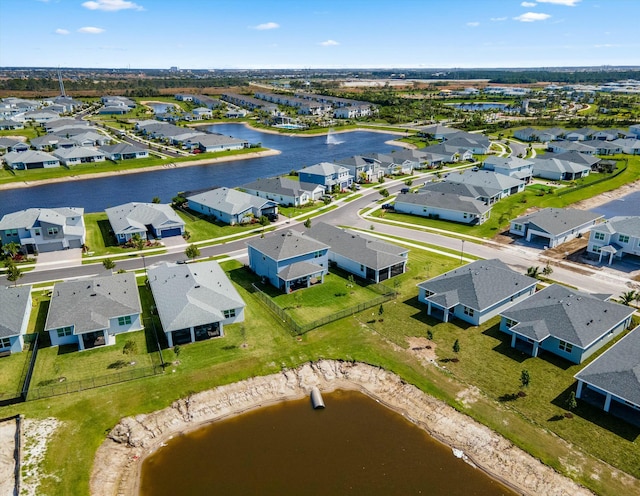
(30, 351)
(386, 294)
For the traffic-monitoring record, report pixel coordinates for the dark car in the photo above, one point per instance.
(387, 206)
(404, 190)
(272, 216)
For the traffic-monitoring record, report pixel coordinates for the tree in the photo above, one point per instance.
(456, 346)
(108, 264)
(178, 201)
(571, 403)
(429, 334)
(381, 310)
(533, 271)
(192, 251)
(13, 272)
(138, 242)
(307, 223)
(156, 199)
(627, 297)
(11, 249)
(409, 182)
(384, 192)
(525, 378)
(548, 270)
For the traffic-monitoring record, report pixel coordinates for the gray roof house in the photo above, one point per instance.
(615, 238)
(563, 321)
(437, 131)
(363, 169)
(15, 303)
(556, 169)
(12, 145)
(30, 159)
(232, 206)
(328, 175)
(502, 185)
(124, 151)
(366, 257)
(284, 191)
(51, 140)
(475, 292)
(79, 155)
(578, 158)
(562, 146)
(145, 219)
(452, 153)
(554, 226)
(44, 229)
(612, 381)
(510, 166)
(443, 205)
(194, 301)
(215, 142)
(92, 312)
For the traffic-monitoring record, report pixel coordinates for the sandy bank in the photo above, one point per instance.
(204, 161)
(119, 459)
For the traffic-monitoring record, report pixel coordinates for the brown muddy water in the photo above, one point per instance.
(354, 446)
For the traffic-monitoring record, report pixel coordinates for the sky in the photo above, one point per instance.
(307, 34)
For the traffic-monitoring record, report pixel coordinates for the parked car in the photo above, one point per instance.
(273, 217)
(404, 190)
(197, 150)
(387, 206)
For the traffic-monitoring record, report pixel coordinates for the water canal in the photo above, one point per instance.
(99, 193)
(354, 446)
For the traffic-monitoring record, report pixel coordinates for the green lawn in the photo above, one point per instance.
(201, 227)
(12, 370)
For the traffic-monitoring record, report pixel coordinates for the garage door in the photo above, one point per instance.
(47, 247)
(170, 232)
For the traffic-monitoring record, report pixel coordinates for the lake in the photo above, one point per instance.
(627, 205)
(480, 106)
(99, 193)
(354, 446)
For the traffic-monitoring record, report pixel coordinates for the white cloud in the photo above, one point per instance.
(528, 4)
(329, 43)
(91, 30)
(62, 31)
(498, 19)
(568, 3)
(267, 25)
(532, 17)
(111, 5)
(473, 24)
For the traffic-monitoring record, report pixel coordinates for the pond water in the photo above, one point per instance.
(97, 194)
(160, 108)
(354, 446)
(480, 106)
(627, 205)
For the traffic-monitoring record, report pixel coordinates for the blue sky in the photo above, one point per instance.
(210, 34)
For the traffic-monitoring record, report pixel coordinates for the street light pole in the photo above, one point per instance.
(462, 252)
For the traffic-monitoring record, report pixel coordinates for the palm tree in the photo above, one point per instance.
(13, 272)
(138, 242)
(11, 249)
(627, 297)
(533, 271)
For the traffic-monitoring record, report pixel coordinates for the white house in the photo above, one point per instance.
(554, 226)
(615, 238)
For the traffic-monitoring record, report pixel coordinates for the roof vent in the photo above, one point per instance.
(197, 286)
(93, 294)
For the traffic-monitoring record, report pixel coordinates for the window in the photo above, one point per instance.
(566, 347)
(124, 320)
(510, 323)
(623, 238)
(37, 232)
(5, 342)
(468, 311)
(64, 331)
(465, 215)
(229, 313)
(598, 236)
(51, 231)
(517, 227)
(11, 232)
(596, 249)
(317, 254)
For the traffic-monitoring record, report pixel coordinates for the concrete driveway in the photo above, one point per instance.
(58, 259)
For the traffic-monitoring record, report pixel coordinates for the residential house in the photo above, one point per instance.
(39, 116)
(194, 301)
(289, 260)
(442, 205)
(232, 206)
(202, 113)
(12, 145)
(554, 226)
(79, 155)
(510, 166)
(568, 323)
(579, 158)
(630, 146)
(366, 257)
(477, 144)
(615, 238)
(215, 143)
(608, 147)
(611, 382)
(10, 124)
(51, 141)
(124, 151)
(487, 196)
(30, 159)
(634, 129)
(414, 158)
(87, 138)
(582, 134)
(363, 169)
(44, 229)
(567, 146)
(499, 184)
(392, 164)
(475, 292)
(609, 134)
(284, 191)
(558, 170)
(328, 175)
(437, 131)
(15, 303)
(527, 134)
(450, 153)
(92, 312)
(148, 220)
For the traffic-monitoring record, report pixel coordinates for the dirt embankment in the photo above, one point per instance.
(119, 459)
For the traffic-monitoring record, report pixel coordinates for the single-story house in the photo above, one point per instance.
(437, 131)
(14, 317)
(9, 124)
(562, 146)
(615, 238)
(582, 134)
(92, 312)
(568, 323)
(366, 257)
(519, 168)
(326, 174)
(87, 138)
(289, 260)
(284, 191)
(194, 301)
(30, 159)
(501, 185)
(202, 113)
(475, 292)
(451, 153)
(612, 382)
(79, 155)
(579, 158)
(215, 143)
(148, 220)
(44, 229)
(12, 145)
(51, 141)
(232, 206)
(442, 205)
(554, 225)
(417, 159)
(124, 151)
(630, 146)
(556, 169)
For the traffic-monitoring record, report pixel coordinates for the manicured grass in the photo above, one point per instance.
(202, 228)
(11, 373)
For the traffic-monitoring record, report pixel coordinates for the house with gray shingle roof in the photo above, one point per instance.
(51, 141)
(563, 321)
(612, 381)
(8, 124)
(510, 166)
(629, 146)
(476, 292)
(284, 191)
(363, 169)
(232, 206)
(92, 312)
(289, 260)
(562, 146)
(326, 174)
(556, 169)
(497, 186)
(194, 301)
(437, 131)
(366, 257)
(79, 155)
(30, 159)
(44, 229)
(124, 151)
(215, 142)
(15, 303)
(444, 205)
(12, 145)
(393, 164)
(554, 226)
(615, 238)
(155, 220)
(451, 153)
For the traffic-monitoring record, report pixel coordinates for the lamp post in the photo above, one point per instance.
(462, 252)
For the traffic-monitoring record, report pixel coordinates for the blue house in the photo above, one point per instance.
(232, 206)
(289, 260)
(476, 292)
(145, 219)
(565, 322)
(14, 318)
(328, 175)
